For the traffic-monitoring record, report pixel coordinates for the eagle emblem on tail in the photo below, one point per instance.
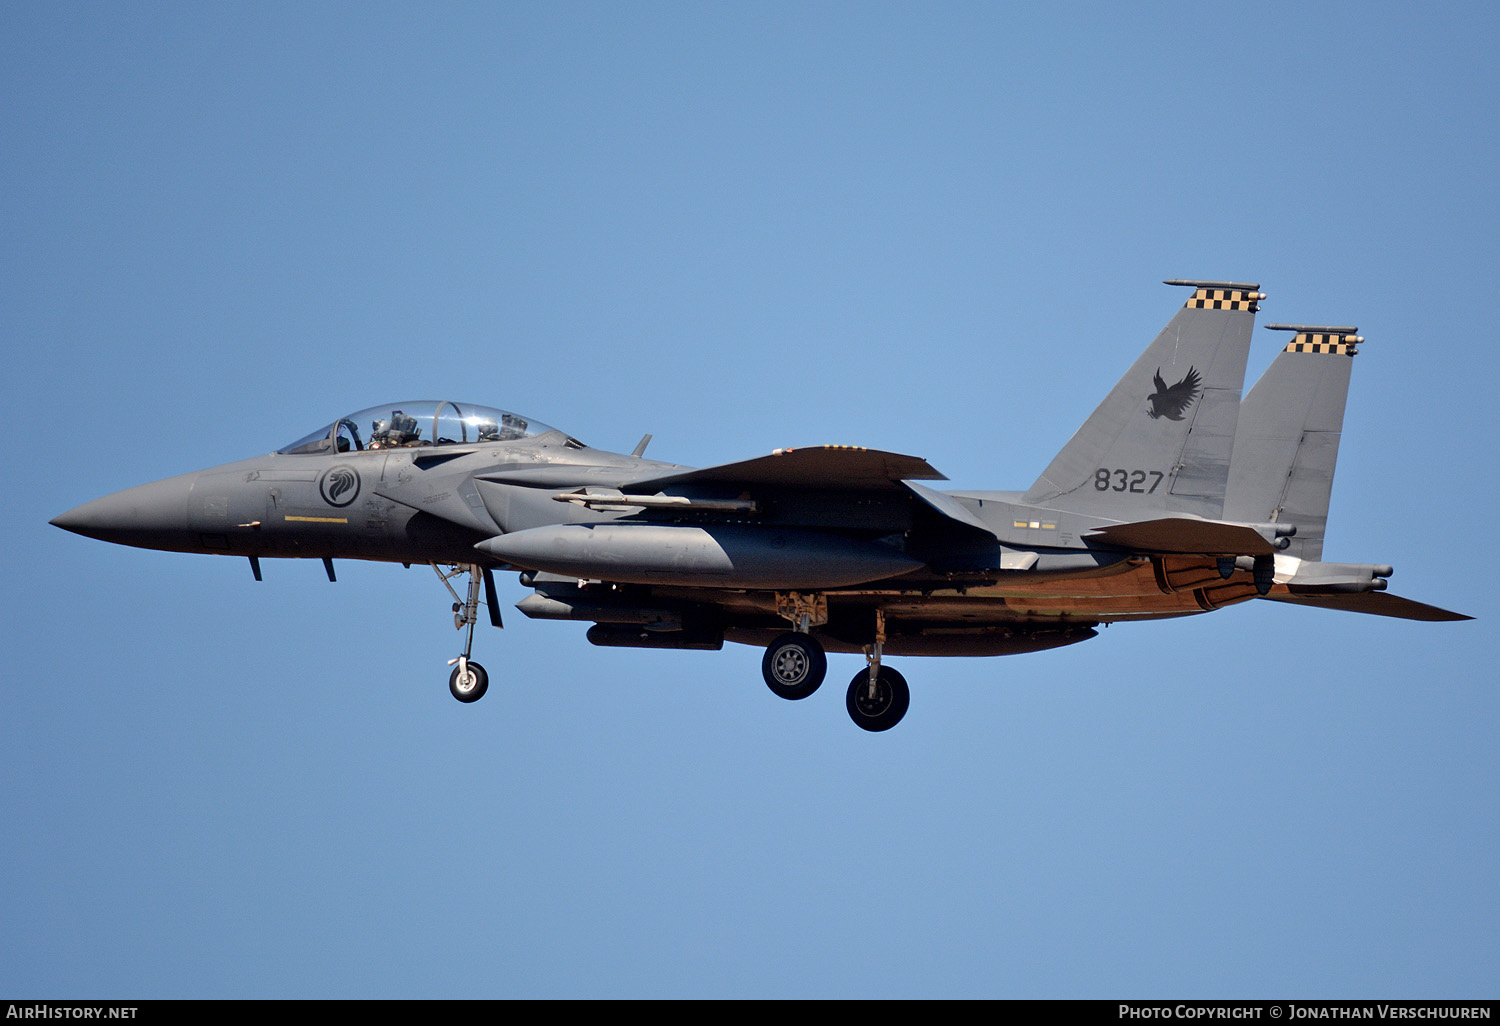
(1171, 402)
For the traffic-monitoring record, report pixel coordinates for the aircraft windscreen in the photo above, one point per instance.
(421, 423)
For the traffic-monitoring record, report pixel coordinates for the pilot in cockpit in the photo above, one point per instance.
(400, 430)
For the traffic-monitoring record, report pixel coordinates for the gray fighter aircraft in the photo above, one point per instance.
(1173, 498)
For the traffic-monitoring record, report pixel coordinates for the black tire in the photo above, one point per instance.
(794, 665)
(892, 697)
(473, 689)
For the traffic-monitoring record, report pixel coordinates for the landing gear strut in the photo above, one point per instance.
(795, 664)
(878, 696)
(468, 682)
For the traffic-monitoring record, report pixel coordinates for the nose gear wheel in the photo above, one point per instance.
(468, 682)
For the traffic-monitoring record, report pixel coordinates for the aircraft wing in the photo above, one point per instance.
(836, 467)
(1379, 603)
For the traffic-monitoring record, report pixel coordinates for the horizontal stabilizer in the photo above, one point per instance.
(1378, 603)
(823, 466)
(1185, 535)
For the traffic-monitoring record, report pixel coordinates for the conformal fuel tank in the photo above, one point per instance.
(730, 556)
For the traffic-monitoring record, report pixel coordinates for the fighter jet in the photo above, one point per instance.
(1173, 498)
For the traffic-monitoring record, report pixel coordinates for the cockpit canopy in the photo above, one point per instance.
(421, 423)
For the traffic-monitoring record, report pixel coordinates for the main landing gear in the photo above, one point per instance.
(468, 682)
(794, 666)
(878, 695)
(877, 698)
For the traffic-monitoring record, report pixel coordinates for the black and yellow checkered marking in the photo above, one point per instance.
(1318, 342)
(1225, 299)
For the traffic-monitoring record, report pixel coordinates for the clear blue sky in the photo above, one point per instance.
(933, 228)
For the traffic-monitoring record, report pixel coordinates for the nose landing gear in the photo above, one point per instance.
(468, 682)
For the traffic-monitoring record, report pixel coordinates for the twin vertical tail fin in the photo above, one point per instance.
(1287, 445)
(1285, 453)
(1162, 440)
(1173, 437)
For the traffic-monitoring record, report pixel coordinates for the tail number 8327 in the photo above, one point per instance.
(1142, 482)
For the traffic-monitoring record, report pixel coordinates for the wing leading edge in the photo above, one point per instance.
(825, 467)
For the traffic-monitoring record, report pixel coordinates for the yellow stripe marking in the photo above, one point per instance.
(320, 520)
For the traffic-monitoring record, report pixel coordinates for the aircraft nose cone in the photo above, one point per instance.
(151, 515)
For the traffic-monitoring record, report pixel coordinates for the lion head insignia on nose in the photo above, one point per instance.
(339, 486)
(1173, 402)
